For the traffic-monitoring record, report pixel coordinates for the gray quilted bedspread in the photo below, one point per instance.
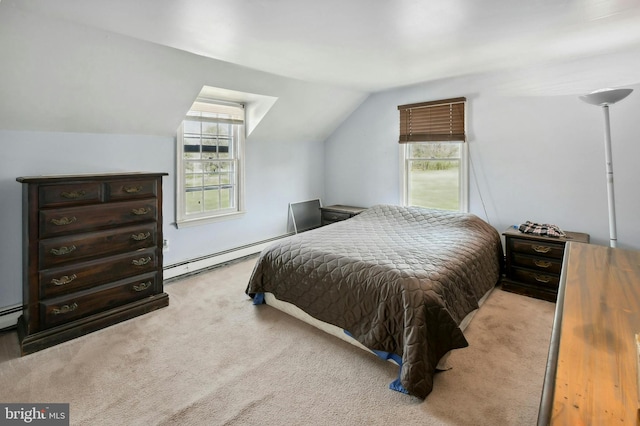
(398, 279)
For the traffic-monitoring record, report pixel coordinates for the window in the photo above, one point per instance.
(434, 154)
(210, 162)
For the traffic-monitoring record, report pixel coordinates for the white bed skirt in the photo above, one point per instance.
(296, 312)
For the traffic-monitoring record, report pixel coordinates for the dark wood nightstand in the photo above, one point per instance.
(534, 262)
(337, 212)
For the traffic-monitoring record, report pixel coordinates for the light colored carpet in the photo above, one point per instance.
(212, 358)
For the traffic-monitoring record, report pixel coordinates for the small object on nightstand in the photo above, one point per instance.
(534, 262)
(337, 212)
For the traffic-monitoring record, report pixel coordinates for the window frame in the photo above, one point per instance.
(184, 219)
(443, 126)
(463, 175)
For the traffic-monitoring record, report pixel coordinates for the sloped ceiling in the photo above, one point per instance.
(364, 44)
(62, 76)
(126, 66)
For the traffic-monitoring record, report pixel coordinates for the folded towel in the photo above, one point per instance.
(543, 229)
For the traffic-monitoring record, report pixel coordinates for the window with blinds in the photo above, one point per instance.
(437, 121)
(210, 142)
(434, 155)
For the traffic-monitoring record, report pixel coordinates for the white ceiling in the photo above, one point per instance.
(367, 45)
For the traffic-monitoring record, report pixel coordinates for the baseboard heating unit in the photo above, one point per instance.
(206, 262)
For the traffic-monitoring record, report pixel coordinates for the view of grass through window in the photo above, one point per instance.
(434, 175)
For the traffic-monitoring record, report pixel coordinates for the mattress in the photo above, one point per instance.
(399, 280)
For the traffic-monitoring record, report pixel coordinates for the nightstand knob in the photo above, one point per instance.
(541, 249)
(542, 278)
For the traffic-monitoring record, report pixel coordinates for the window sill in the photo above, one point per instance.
(186, 223)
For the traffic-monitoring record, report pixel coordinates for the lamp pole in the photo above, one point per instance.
(604, 98)
(613, 237)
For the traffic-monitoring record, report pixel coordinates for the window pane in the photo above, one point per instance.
(224, 129)
(193, 175)
(224, 148)
(226, 199)
(212, 198)
(191, 127)
(226, 179)
(210, 129)
(434, 184)
(191, 147)
(434, 150)
(209, 148)
(193, 199)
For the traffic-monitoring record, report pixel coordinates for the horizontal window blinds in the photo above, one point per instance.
(437, 121)
(216, 113)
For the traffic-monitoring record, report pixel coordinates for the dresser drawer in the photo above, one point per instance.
(547, 265)
(64, 250)
(128, 189)
(70, 194)
(536, 278)
(84, 303)
(79, 276)
(537, 248)
(77, 219)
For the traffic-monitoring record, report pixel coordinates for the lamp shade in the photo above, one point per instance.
(604, 97)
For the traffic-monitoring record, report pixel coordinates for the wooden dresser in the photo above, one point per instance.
(534, 262)
(592, 365)
(92, 254)
(336, 213)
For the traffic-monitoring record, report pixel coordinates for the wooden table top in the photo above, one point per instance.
(598, 315)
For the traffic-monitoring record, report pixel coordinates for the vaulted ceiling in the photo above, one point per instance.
(135, 66)
(367, 45)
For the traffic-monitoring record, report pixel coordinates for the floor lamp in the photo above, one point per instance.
(604, 98)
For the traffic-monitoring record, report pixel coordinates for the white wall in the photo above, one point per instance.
(81, 100)
(537, 150)
(277, 173)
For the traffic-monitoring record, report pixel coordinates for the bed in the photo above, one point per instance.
(398, 280)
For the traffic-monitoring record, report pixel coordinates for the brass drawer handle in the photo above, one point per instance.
(142, 286)
(65, 309)
(132, 189)
(64, 280)
(541, 278)
(62, 250)
(141, 236)
(541, 249)
(141, 211)
(64, 221)
(73, 195)
(542, 263)
(142, 261)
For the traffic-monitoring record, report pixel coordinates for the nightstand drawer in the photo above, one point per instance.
(331, 216)
(536, 278)
(534, 263)
(338, 212)
(547, 265)
(537, 248)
